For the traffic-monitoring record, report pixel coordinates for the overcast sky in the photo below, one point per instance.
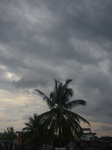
(43, 40)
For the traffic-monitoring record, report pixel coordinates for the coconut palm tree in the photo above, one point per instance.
(32, 131)
(60, 119)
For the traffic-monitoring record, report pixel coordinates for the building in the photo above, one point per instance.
(88, 135)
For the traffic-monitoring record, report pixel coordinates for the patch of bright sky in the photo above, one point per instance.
(97, 129)
(12, 76)
(2, 67)
(9, 75)
(104, 65)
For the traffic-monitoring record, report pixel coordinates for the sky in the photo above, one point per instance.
(43, 40)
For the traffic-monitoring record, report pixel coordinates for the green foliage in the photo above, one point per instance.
(9, 134)
(95, 137)
(108, 138)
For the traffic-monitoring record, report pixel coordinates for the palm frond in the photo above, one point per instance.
(75, 103)
(66, 95)
(68, 81)
(74, 123)
(45, 98)
(75, 116)
(56, 83)
(67, 128)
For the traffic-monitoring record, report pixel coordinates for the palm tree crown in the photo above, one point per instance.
(60, 119)
(32, 131)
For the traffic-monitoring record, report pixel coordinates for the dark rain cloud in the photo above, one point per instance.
(43, 40)
(29, 82)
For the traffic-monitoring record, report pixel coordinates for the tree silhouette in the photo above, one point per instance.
(60, 119)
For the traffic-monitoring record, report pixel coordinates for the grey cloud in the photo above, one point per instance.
(43, 40)
(105, 128)
(11, 120)
(30, 82)
(26, 117)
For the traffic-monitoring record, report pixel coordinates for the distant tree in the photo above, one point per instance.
(107, 138)
(9, 134)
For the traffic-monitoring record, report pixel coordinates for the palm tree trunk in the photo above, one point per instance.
(59, 131)
(59, 135)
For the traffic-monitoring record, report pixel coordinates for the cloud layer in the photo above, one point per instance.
(43, 40)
